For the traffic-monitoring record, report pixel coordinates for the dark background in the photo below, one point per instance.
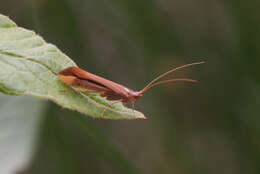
(208, 127)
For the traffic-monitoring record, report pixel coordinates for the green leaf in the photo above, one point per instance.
(20, 118)
(29, 66)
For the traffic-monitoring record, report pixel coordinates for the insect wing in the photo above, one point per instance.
(120, 90)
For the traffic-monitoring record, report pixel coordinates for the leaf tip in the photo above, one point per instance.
(141, 117)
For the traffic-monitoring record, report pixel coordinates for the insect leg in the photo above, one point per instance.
(78, 90)
(110, 105)
(133, 108)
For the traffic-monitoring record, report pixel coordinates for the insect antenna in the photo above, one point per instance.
(152, 83)
(167, 81)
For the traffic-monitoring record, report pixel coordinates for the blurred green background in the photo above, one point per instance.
(208, 127)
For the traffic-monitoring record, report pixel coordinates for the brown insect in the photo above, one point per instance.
(87, 82)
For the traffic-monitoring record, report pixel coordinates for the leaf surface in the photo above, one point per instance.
(29, 66)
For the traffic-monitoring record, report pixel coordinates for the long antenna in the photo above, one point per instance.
(168, 72)
(167, 81)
